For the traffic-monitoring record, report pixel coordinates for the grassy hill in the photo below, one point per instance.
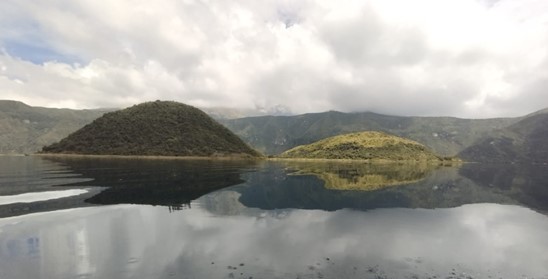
(524, 141)
(25, 129)
(446, 136)
(364, 146)
(154, 128)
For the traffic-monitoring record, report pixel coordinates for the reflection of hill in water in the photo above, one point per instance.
(157, 182)
(177, 182)
(272, 188)
(362, 176)
(527, 184)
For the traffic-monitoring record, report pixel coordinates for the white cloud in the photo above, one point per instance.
(428, 57)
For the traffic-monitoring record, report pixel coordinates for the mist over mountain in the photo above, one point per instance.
(234, 113)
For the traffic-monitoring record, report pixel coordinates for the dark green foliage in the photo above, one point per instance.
(154, 128)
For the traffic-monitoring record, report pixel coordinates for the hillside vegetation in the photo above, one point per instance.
(154, 128)
(26, 129)
(363, 146)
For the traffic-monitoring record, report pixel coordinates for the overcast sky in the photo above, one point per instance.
(464, 58)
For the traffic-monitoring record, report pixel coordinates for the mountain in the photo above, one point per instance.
(524, 141)
(25, 129)
(154, 128)
(363, 146)
(446, 136)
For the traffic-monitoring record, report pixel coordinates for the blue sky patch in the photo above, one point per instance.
(37, 53)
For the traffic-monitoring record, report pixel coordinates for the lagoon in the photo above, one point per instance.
(138, 218)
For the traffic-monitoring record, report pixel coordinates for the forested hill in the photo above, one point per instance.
(154, 128)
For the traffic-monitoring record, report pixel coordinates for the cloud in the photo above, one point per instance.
(461, 58)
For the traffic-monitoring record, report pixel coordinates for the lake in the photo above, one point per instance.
(144, 218)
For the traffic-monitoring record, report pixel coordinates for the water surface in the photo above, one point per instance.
(105, 218)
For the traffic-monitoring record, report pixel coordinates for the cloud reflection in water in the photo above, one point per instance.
(149, 242)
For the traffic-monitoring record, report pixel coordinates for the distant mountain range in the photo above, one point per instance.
(446, 136)
(523, 141)
(25, 129)
(519, 139)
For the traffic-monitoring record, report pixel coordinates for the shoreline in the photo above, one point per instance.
(240, 158)
(369, 161)
(148, 157)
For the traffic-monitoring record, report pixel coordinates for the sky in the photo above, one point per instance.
(462, 58)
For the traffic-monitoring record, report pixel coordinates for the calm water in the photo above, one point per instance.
(99, 218)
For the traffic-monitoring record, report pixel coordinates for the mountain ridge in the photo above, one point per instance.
(523, 141)
(447, 136)
(26, 129)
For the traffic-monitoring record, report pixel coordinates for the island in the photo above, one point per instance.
(368, 145)
(160, 128)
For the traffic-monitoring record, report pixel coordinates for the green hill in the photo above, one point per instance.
(154, 128)
(524, 141)
(363, 146)
(25, 129)
(446, 136)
